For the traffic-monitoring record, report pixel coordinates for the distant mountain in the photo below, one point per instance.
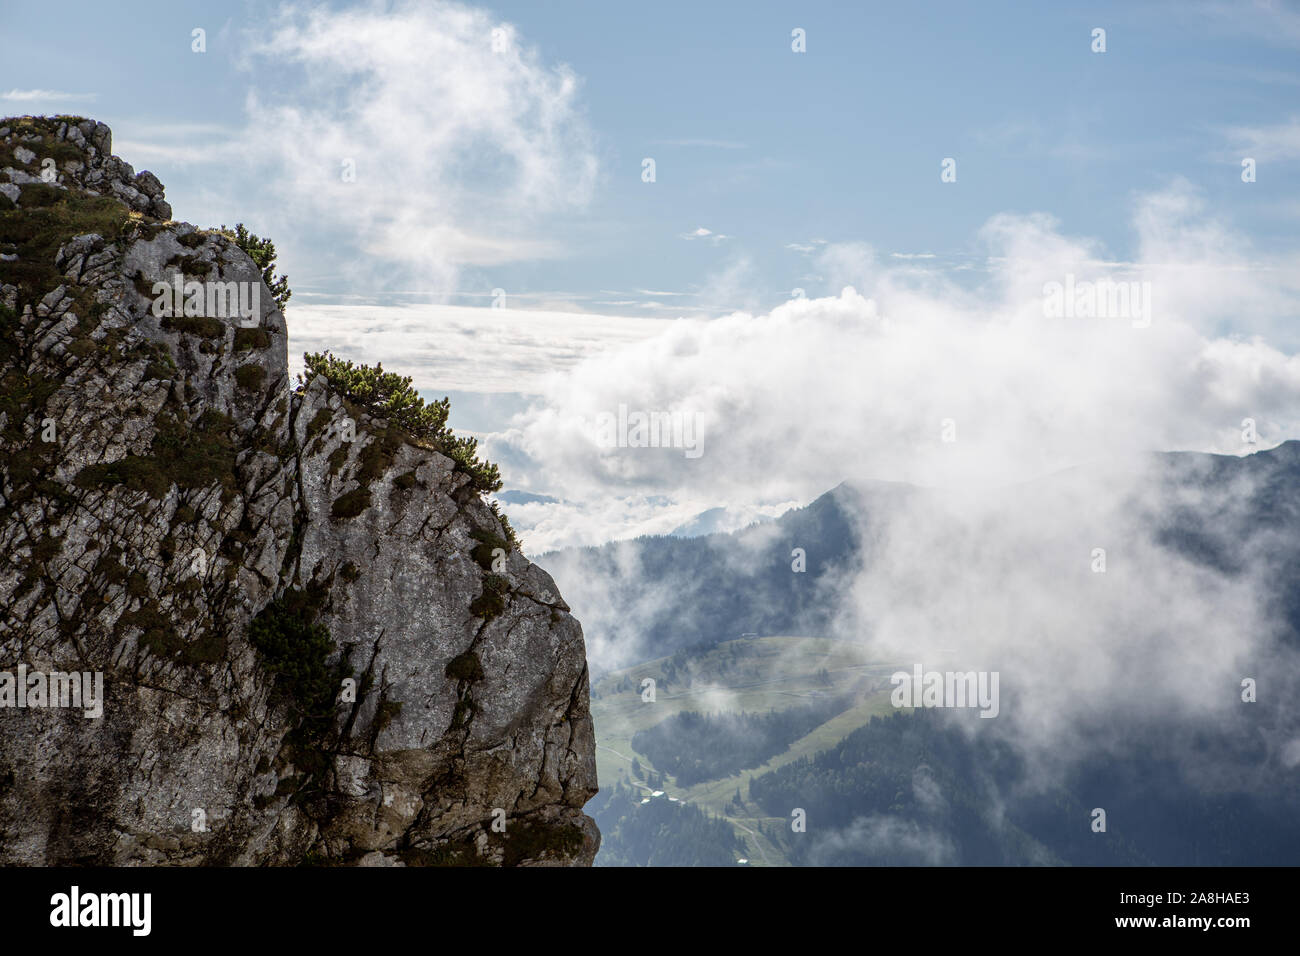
(1256, 514)
(915, 789)
(649, 596)
(524, 498)
(652, 595)
(714, 521)
(1144, 616)
(706, 522)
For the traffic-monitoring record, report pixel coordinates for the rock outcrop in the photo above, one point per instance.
(318, 643)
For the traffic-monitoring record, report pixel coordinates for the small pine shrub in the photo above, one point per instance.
(390, 396)
(262, 252)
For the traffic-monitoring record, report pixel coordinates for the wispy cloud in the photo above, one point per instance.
(887, 363)
(181, 144)
(806, 248)
(707, 234)
(31, 96)
(1279, 142)
(453, 167)
(379, 167)
(464, 348)
(1277, 21)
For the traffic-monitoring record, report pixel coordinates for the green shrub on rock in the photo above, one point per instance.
(390, 396)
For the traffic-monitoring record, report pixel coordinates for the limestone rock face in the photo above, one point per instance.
(317, 642)
(80, 156)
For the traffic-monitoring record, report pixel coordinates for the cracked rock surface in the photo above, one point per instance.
(163, 485)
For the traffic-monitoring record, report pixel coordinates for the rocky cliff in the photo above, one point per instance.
(317, 642)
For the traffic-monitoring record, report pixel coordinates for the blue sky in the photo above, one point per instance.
(519, 168)
(771, 148)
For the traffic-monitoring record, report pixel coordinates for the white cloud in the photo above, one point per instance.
(846, 264)
(462, 142)
(30, 96)
(794, 400)
(461, 348)
(806, 248)
(180, 144)
(461, 138)
(1279, 142)
(730, 287)
(703, 233)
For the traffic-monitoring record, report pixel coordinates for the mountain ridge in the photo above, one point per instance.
(837, 531)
